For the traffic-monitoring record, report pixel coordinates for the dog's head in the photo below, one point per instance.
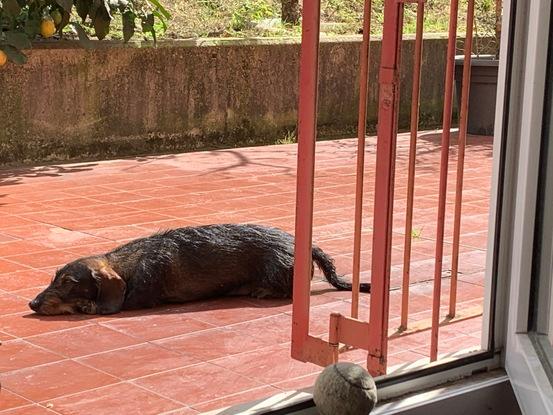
(87, 286)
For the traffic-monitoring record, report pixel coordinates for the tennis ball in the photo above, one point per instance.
(344, 389)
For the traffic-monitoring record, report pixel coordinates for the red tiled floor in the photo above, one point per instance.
(118, 233)
(185, 410)
(29, 231)
(156, 326)
(93, 249)
(183, 359)
(29, 293)
(239, 338)
(63, 238)
(197, 384)
(400, 360)
(11, 304)
(8, 267)
(5, 337)
(6, 238)
(27, 324)
(12, 221)
(116, 399)
(298, 383)
(10, 400)
(224, 312)
(43, 259)
(239, 398)
(83, 341)
(141, 360)
(211, 344)
(267, 365)
(54, 380)
(20, 280)
(19, 354)
(18, 247)
(29, 410)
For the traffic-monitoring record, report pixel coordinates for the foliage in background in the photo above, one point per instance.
(290, 13)
(487, 29)
(22, 21)
(249, 12)
(202, 18)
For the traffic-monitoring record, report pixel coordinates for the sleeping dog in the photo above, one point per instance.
(180, 265)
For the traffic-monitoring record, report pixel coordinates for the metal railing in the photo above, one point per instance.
(372, 334)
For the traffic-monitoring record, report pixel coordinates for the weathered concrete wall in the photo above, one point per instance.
(68, 103)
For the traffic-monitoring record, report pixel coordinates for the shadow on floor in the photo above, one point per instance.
(221, 303)
(10, 177)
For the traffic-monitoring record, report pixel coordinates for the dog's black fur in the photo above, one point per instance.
(180, 265)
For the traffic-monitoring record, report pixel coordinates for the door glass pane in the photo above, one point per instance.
(541, 308)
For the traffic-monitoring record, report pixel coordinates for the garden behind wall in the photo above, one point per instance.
(68, 103)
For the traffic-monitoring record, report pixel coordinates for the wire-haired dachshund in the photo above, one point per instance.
(180, 265)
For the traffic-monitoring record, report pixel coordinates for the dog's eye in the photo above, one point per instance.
(69, 278)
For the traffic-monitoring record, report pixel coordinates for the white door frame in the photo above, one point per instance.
(527, 92)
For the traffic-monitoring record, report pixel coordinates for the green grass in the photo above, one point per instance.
(240, 18)
(289, 138)
(416, 233)
(261, 18)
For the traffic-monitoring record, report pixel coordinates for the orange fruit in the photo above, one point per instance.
(47, 28)
(3, 58)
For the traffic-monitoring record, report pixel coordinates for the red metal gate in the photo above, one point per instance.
(372, 335)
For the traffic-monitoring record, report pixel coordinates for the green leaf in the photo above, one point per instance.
(129, 25)
(65, 18)
(14, 55)
(161, 9)
(83, 8)
(32, 26)
(161, 21)
(101, 23)
(148, 22)
(96, 4)
(67, 5)
(11, 7)
(84, 40)
(18, 40)
(99, 6)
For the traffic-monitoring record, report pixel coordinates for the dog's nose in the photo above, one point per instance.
(34, 305)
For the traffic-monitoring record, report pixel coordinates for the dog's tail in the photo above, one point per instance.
(326, 265)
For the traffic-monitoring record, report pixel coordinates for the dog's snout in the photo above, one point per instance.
(34, 305)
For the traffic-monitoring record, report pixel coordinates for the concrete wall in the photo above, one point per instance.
(73, 104)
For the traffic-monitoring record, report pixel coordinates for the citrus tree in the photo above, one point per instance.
(22, 21)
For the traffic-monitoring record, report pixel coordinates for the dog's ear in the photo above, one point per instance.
(111, 290)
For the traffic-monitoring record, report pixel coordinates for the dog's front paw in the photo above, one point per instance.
(88, 308)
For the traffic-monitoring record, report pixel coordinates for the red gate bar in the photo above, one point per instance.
(447, 114)
(372, 335)
(417, 63)
(342, 329)
(461, 158)
(307, 130)
(304, 347)
(361, 132)
(384, 187)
